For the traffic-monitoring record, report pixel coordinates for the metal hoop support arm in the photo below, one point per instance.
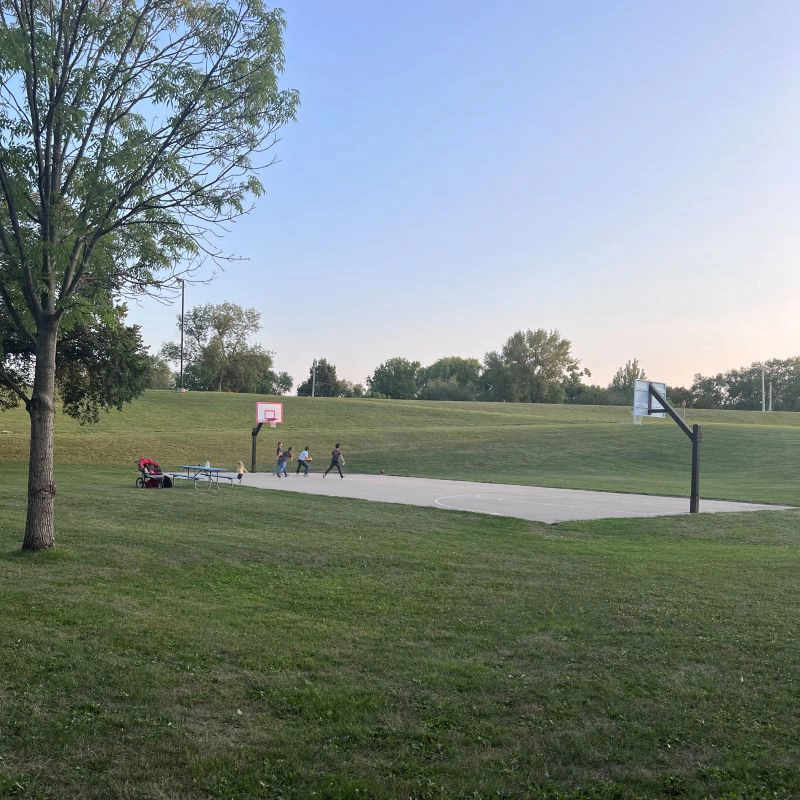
(694, 437)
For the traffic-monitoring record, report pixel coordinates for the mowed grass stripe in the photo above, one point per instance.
(240, 644)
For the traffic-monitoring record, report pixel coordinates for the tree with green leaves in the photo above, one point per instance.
(451, 378)
(533, 367)
(130, 134)
(708, 391)
(350, 389)
(621, 386)
(679, 395)
(161, 374)
(397, 378)
(100, 364)
(741, 388)
(322, 381)
(217, 354)
(275, 383)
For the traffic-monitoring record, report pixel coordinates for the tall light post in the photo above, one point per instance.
(314, 377)
(183, 286)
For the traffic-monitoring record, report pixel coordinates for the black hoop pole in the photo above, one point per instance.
(694, 436)
(694, 500)
(253, 453)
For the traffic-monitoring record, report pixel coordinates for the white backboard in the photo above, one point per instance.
(269, 412)
(642, 400)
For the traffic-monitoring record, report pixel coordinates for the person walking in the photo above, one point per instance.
(240, 471)
(278, 451)
(337, 460)
(303, 460)
(283, 459)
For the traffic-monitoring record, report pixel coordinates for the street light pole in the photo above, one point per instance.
(314, 378)
(183, 286)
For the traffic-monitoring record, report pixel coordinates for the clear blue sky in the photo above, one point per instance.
(625, 172)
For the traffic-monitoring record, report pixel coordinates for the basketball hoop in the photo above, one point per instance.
(269, 414)
(266, 414)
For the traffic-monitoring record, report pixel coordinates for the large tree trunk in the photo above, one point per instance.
(40, 524)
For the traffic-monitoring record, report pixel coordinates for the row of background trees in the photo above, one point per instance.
(217, 355)
(533, 366)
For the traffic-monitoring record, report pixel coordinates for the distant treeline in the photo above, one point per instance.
(737, 389)
(533, 366)
(538, 367)
(742, 388)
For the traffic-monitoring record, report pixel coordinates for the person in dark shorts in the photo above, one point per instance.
(337, 460)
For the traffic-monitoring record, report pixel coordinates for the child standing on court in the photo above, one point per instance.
(240, 471)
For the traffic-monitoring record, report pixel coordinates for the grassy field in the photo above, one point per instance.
(186, 645)
(745, 456)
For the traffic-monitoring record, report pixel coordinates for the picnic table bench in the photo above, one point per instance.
(179, 476)
(198, 472)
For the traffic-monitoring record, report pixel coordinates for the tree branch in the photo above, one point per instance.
(11, 384)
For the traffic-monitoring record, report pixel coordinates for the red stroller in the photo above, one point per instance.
(151, 476)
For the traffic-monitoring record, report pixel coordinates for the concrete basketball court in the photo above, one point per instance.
(524, 502)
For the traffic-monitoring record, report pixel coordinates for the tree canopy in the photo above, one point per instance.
(322, 381)
(532, 367)
(741, 388)
(625, 378)
(398, 378)
(130, 134)
(161, 376)
(451, 378)
(217, 354)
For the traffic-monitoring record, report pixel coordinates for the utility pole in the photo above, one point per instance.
(314, 378)
(770, 395)
(183, 286)
(763, 393)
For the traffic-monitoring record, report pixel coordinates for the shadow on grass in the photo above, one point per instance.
(54, 555)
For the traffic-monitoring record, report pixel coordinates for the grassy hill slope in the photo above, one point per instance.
(744, 456)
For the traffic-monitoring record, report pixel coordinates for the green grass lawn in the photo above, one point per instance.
(745, 456)
(247, 644)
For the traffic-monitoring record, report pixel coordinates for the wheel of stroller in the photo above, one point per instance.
(140, 483)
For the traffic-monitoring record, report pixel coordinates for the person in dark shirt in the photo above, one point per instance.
(283, 459)
(337, 460)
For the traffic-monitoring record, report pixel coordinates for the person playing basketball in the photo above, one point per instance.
(337, 460)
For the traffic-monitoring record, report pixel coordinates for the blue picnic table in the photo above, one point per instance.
(200, 472)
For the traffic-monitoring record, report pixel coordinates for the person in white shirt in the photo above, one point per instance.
(302, 461)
